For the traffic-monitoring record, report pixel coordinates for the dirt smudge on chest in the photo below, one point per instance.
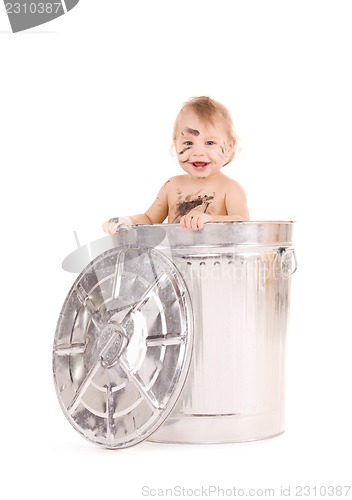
(198, 203)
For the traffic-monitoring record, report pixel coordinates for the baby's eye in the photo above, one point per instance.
(210, 143)
(188, 143)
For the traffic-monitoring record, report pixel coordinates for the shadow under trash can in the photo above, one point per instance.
(177, 336)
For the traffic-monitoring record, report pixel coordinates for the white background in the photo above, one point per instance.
(88, 103)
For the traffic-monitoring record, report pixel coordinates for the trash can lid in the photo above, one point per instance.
(123, 346)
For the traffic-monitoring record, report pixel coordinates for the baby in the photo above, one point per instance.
(205, 142)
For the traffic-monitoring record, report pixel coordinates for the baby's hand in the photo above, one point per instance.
(113, 225)
(195, 220)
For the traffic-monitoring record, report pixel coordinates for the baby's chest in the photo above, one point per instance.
(181, 202)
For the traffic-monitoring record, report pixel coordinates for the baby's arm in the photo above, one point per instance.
(156, 214)
(236, 203)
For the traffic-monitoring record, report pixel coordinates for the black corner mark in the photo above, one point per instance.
(26, 14)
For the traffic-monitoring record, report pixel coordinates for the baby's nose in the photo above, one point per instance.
(199, 150)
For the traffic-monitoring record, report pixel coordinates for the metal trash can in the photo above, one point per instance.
(175, 335)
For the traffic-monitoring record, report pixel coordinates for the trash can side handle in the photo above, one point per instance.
(285, 263)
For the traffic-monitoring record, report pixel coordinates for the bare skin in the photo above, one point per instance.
(203, 194)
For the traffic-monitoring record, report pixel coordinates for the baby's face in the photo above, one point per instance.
(202, 149)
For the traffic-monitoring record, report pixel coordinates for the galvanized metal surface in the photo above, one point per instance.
(238, 279)
(123, 346)
(235, 390)
(222, 235)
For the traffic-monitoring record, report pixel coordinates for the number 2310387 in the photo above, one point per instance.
(32, 8)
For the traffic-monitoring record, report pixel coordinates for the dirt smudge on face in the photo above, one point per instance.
(192, 131)
(181, 152)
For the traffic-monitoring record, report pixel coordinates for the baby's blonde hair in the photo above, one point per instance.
(210, 111)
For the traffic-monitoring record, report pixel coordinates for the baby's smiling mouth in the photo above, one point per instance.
(199, 165)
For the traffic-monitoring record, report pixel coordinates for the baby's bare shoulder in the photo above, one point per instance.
(174, 180)
(170, 187)
(174, 183)
(230, 184)
(178, 179)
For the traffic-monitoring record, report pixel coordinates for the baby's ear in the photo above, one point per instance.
(230, 147)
